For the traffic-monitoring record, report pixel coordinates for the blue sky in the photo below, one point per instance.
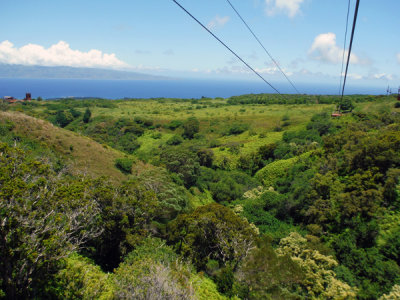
(157, 37)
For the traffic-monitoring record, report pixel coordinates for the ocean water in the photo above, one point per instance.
(117, 89)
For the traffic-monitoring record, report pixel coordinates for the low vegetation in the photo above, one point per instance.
(251, 197)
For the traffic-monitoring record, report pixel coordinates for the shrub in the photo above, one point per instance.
(124, 165)
(143, 121)
(81, 279)
(267, 151)
(175, 140)
(238, 128)
(191, 127)
(206, 157)
(87, 115)
(321, 123)
(214, 144)
(128, 143)
(133, 128)
(174, 124)
(274, 170)
(152, 271)
(156, 135)
(234, 148)
(63, 118)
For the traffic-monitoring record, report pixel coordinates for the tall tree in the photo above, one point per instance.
(87, 115)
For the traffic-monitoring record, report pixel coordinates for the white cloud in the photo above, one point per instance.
(354, 76)
(289, 7)
(325, 49)
(59, 54)
(218, 22)
(398, 58)
(383, 76)
(243, 70)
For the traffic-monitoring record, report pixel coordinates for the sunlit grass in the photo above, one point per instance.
(85, 155)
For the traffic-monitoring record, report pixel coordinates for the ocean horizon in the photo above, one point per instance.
(179, 88)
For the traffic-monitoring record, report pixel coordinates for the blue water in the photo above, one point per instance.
(117, 89)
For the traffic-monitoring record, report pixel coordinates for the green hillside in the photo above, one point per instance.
(251, 197)
(82, 154)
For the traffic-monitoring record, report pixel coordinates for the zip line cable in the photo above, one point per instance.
(261, 44)
(351, 44)
(344, 46)
(227, 47)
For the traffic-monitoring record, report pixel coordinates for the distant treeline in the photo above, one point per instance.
(296, 99)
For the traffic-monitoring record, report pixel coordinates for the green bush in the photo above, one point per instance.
(63, 118)
(274, 170)
(128, 143)
(124, 165)
(174, 124)
(82, 279)
(156, 135)
(191, 127)
(321, 123)
(175, 140)
(143, 121)
(237, 128)
(87, 115)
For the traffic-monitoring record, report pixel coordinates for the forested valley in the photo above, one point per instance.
(250, 197)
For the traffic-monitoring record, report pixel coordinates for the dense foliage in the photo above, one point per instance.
(215, 205)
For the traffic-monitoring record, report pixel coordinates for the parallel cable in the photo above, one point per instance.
(344, 46)
(261, 44)
(227, 47)
(351, 44)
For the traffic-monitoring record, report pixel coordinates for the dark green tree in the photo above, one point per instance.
(265, 275)
(214, 232)
(63, 118)
(206, 157)
(183, 162)
(124, 164)
(346, 105)
(87, 115)
(190, 127)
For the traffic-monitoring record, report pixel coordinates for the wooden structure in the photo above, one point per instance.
(11, 100)
(28, 97)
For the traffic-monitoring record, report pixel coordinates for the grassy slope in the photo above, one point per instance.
(84, 154)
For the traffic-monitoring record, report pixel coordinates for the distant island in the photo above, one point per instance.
(20, 71)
